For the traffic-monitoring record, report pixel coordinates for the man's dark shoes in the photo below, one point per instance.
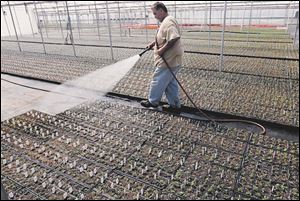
(171, 109)
(146, 103)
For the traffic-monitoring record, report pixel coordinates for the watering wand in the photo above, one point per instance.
(144, 51)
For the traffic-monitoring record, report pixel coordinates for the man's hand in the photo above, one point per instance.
(150, 45)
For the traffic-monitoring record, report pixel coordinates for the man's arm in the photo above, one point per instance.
(166, 46)
(151, 45)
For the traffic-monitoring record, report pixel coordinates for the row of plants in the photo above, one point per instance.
(263, 180)
(35, 180)
(90, 154)
(275, 144)
(48, 67)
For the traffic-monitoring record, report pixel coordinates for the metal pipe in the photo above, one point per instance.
(43, 12)
(71, 32)
(182, 9)
(209, 32)
(131, 21)
(77, 18)
(97, 19)
(296, 31)
(61, 29)
(230, 15)
(259, 20)
(109, 31)
(26, 9)
(205, 16)
(146, 23)
(56, 19)
(237, 5)
(285, 15)
(288, 18)
(17, 21)
(249, 23)
(221, 63)
(39, 27)
(119, 13)
(243, 18)
(12, 18)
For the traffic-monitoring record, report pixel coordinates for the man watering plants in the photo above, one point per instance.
(168, 51)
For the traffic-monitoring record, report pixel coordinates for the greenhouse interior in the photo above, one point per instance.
(75, 75)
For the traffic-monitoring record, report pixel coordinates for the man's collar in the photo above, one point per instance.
(165, 17)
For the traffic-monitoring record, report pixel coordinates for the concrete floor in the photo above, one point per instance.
(17, 99)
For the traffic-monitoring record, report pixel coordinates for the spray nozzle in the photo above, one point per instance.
(147, 49)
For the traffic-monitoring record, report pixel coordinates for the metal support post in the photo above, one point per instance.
(59, 19)
(97, 19)
(109, 31)
(72, 37)
(17, 21)
(288, 17)
(39, 27)
(77, 19)
(205, 16)
(230, 15)
(243, 18)
(12, 19)
(221, 63)
(26, 9)
(120, 20)
(259, 20)
(209, 31)
(44, 13)
(146, 23)
(249, 26)
(296, 32)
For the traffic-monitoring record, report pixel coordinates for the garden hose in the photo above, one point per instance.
(143, 52)
(263, 132)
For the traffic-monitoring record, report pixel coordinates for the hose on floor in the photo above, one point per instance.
(263, 132)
